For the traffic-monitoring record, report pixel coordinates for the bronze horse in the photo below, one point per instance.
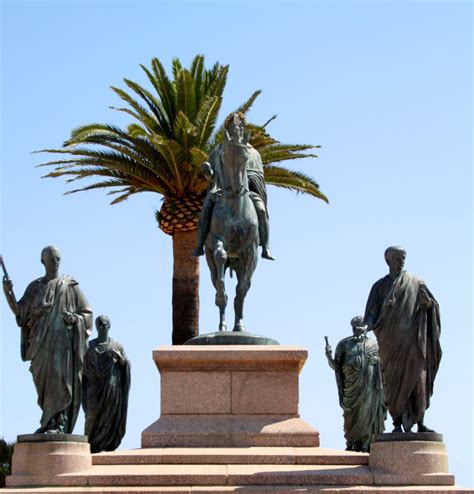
(233, 238)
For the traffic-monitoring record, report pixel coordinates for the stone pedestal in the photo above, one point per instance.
(229, 396)
(410, 459)
(38, 459)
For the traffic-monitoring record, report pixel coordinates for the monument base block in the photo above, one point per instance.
(227, 431)
(229, 396)
(38, 459)
(410, 458)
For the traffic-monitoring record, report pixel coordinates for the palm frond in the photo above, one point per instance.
(166, 89)
(284, 152)
(154, 105)
(197, 73)
(185, 133)
(141, 114)
(206, 119)
(186, 98)
(293, 180)
(173, 153)
(172, 132)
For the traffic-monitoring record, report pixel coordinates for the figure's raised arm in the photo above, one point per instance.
(328, 350)
(8, 290)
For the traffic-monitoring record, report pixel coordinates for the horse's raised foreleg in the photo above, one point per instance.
(247, 265)
(220, 259)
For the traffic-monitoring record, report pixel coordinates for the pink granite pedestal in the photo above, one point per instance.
(410, 459)
(41, 459)
(229, 396)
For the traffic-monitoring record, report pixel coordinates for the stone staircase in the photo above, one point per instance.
(223, 470)
(229, 423)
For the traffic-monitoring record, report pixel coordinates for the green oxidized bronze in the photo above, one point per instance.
(359, 382)
(106, 386)
(404, 316)
(234, 219)
(55, 320)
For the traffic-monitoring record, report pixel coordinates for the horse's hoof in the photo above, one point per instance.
(222, 327)
(239, 327)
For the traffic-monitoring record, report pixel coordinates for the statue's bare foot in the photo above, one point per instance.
(198, 251)
(423, 428)
(266, 254)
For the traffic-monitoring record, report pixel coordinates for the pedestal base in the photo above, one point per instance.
(226, 431)
(232, 396)
(410, 459)
(231, 338)
(38, 459)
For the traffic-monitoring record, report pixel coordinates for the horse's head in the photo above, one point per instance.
(235, 158)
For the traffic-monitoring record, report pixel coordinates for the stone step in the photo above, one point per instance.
(232, 456)
(212, 475)
(248, 489)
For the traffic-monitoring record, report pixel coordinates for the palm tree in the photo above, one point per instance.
(6, 453)
(161, 151)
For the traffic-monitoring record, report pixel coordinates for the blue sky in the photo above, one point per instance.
(383, 87)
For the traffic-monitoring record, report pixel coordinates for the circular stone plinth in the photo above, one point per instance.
(408, 436)
(51, 437)
(231, 338)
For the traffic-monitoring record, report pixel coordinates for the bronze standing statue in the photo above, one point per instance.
(359, 383)
(234, 218)
(106, 385)
(404, 315)
(55, 321)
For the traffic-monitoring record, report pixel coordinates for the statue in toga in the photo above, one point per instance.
(55, 320)
(359, 383)
(106, 385)
(404, 315)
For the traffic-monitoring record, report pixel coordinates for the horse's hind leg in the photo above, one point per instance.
(244, 271)
(220, 259)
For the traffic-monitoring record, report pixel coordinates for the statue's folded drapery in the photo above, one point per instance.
(359, 382)
(106, 385)
(56, 350)
(408, 334)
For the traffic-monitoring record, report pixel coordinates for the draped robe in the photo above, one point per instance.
(56, 350)
(106, 386)
(359, 382)
(408, 337)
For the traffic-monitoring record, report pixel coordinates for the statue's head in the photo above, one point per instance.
(395, 258)
(234, 125)
(102, 323)
(358, 326)
(50, 258)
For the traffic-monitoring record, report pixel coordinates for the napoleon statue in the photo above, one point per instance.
(256, 184)
(404, 315)
(55, 321)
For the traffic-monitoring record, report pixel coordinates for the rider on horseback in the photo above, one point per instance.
(234, 126)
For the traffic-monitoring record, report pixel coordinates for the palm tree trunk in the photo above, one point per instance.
(185, 287)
